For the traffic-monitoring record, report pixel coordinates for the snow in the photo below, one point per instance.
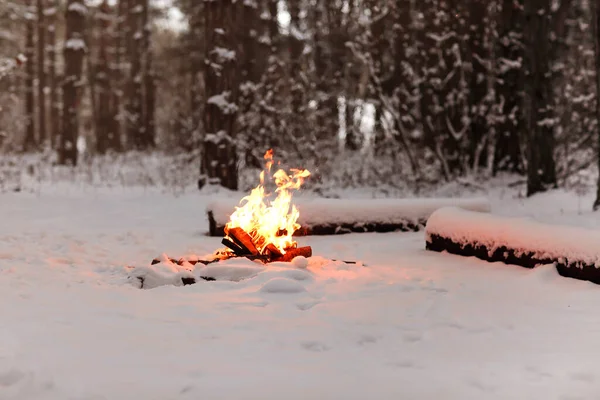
(221, 101)
(319, 211)
(282, 285)
(78, 7)
(411, 324)
(75, 44)
(524, 235)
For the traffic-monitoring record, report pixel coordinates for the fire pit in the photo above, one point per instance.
(260, 229)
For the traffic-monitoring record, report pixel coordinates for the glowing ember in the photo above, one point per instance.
(270, 222)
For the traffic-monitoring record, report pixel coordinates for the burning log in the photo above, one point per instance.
(519, 241)
(337, 216)
(242, 239)
(243, 246)
(290, 254)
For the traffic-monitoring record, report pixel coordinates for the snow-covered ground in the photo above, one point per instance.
(408, 325)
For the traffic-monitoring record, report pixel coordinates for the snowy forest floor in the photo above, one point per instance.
(408, 325)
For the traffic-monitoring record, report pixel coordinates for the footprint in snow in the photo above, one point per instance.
(315, 346)
(307, 306)
(583, 377)
(11, 377)
(405, 364)
(412, 337)
(367, 339)
(282, 285)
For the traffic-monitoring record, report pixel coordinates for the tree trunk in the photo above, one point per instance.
(41, 72)
(595, 5)
(510, 53)
(541, 169)
(30, 140)
(478, 87)
(104, 118)
(219, 161)
(135, 123)
(197, 53)
(54, 115)
(118, 42)
(148, 100)
(74, 50)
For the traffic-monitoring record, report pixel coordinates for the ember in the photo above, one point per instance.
(262, 227)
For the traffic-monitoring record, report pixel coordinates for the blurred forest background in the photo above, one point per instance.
(365, 93)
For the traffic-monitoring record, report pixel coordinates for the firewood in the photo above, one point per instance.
(293, 253)
(273, 250)
(235, 248)
(242, 239)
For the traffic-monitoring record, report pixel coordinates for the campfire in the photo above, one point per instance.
(262, 227)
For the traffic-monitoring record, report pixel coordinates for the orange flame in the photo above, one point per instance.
(270, 221)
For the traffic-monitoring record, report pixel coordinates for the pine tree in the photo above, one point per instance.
(219, 160)
(74, 50)
(541, 169)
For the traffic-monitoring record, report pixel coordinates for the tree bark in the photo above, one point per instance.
(41, 72)
(219, 161)
(104, 118)
(30, 139)
(541, 169)
(149, 86)
(54, 115)
(74, 50)
(509, 129)
(197, 54)
(135, 123)
(595, 5)
(478, 85)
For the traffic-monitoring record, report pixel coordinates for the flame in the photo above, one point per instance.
(270, 221)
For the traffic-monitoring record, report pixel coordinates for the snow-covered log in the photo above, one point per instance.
(338, 216)
(520, 241)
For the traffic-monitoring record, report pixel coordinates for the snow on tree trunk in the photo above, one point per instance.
(149, 100)
(595, 4)
(74, 51)
(541, 170)
(219, 159)
(135, 123)
(104, 118)
(510, 121)
(30, 139)
(54, 115)
(148, 77)
(41, 72)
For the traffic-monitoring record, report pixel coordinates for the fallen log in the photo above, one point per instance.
(520, 241)
(339, 216)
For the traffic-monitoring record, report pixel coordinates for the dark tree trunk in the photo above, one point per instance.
(53, 84)
(41, 72)
(219, 160)
(148, 127)
(135, 123)
(196, 51)
(30, 140)
(541, 169)
(74, 51)
(595, 4)
(119, 43)
(296, 48)
(479, 129)
(510, 53)
(104, 118)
